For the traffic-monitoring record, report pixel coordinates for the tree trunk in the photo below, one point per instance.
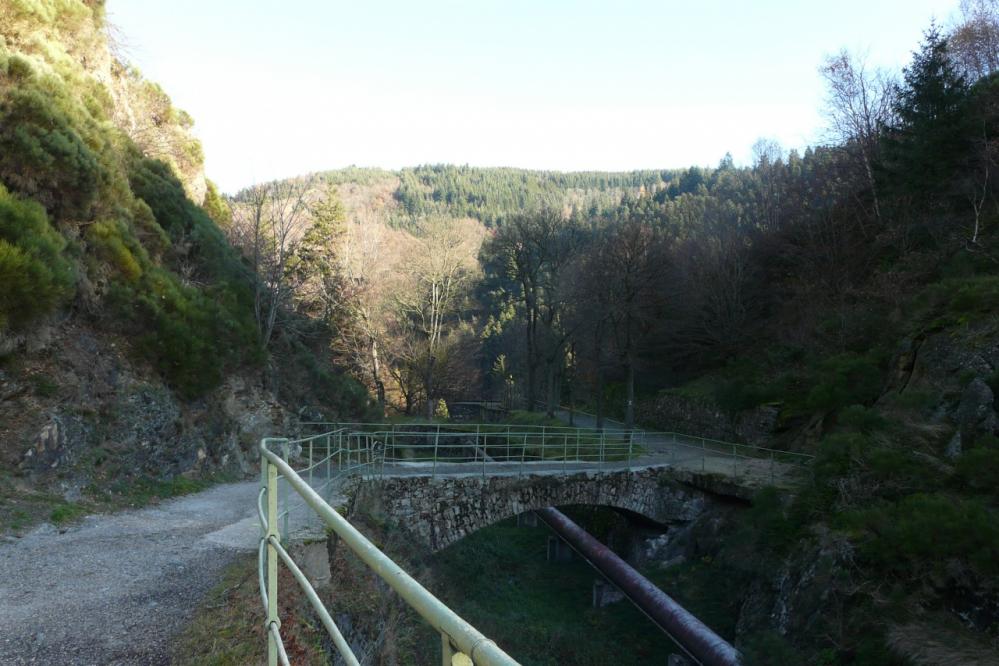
(629, 409)
(531, 379)
(376, 375)
(600, 395)
(550, 389)
(428, 384)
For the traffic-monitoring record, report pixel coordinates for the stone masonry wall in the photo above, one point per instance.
(443, 510)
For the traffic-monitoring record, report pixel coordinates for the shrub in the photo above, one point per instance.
(959, 300)
(43, 155)
(924, 532)
(116, 244)
(844, 380)
(861, 419)
(190, 335)
(35, 275)
(977, 469)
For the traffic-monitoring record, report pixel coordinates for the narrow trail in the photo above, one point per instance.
(117, 588)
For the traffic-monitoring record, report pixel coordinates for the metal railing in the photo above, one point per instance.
(377, 450)
(446, 449)
(461, 643)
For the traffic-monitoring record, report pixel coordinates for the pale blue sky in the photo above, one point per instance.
(282, 88)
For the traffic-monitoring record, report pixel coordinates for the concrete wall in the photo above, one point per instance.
(440, 511)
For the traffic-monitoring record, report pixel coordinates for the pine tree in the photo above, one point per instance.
(925, 147)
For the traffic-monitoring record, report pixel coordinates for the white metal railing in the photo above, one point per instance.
(461, 643)
(377, 450)
(490, 449)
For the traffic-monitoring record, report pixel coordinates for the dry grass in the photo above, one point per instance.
(931, 644)
(228, 628)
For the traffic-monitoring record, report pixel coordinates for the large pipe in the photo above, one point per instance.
(691, 634)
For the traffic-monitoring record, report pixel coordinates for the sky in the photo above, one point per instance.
(284, 88)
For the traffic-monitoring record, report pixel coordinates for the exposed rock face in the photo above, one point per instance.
(940, 365)
(681, 414)
(108, 419)
(803, 590)
(976, 412)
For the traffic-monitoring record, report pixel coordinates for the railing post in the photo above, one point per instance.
(508, 443)
(329, 479)
(310, 463)
(272, 571)
(577, 444)
(631, 440)
(446, 652)
(437, 438)
(523, 450)
(603, 441)
(285, 452)
(451, 657)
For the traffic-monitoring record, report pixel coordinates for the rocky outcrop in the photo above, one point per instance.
(675, 413)
(802, 592)
(955, 370)
(80, 412)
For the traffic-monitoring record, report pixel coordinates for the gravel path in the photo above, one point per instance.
(117, 588)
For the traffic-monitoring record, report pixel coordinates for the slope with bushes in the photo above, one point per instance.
(128, 343)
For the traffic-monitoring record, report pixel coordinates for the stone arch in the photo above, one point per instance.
(440, 511)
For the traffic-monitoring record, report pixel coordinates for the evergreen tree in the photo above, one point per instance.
(930, 137)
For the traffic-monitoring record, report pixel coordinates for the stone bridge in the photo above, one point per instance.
(443, 509)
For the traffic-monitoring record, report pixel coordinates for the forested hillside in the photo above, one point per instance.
(123, 305)
(840, 301)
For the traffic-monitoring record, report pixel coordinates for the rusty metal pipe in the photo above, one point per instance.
(691, 634)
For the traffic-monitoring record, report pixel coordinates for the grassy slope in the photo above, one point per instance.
(499, 580)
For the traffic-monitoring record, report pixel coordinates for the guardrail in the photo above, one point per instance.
(446, 449)
(462, 427)
(461, 643)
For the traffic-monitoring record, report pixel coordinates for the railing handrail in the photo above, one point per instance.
(367, 452)
(641, 433)
(454, 630)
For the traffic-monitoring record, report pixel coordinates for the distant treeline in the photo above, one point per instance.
(492, 195)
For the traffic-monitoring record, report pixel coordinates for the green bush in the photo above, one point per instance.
(861, 419)
(977, 469)
(927, 531)
(116, 244)
(957, 301)
(35, 275)
(190, 335)
(44, 156)
(736, 395)
(843, 380)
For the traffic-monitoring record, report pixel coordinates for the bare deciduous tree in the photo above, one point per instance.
(974, 41)
(428, 306)
(269, 222)
(859, 105)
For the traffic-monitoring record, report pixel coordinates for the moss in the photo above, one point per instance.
(68, 512)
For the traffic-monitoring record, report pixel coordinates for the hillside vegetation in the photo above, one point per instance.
(840, 301)
(117, 280)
